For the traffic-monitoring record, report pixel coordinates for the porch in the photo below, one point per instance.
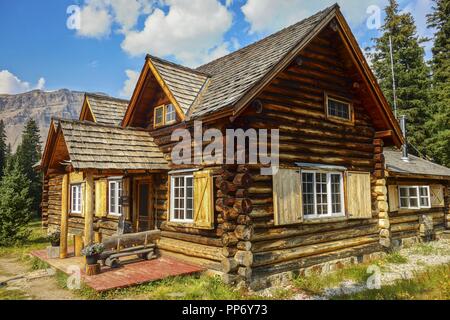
(132, 271)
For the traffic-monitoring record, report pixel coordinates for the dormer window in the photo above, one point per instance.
(338, 109)
(164, 115)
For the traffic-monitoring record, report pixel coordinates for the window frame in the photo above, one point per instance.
(118, 194)
(166, 107)
(329, 204)
(172, 198)
(418, 197)
(343, 100)
(159, 124)
(80, 198)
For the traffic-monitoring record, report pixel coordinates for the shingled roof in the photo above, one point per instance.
(415, 165)
(184, 83)
(95, 146)
(107, 110)
(234, 74)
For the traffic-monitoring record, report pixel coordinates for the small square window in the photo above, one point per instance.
(338, 109)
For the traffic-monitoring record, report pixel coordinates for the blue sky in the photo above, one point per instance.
(103, 48)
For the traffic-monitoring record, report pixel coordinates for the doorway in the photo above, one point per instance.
(144, 217)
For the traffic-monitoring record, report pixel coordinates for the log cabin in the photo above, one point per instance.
(326, 204)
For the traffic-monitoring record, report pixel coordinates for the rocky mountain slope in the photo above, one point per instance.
(15, 110)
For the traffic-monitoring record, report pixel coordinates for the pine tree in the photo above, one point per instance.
(411, 71)
(3, 148)
(28, 154)
(439, 125)
(15, 204)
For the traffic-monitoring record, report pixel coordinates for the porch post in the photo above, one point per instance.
(64, 216)
(89, 210)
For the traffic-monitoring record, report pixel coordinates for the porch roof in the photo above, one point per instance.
(96, 146)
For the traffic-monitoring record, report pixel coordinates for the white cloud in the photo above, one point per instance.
(130, 83)
(10, 84)
(265, 16)
(98, 16)
(192, 32)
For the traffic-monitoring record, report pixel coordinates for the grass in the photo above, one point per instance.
(195, 287)
(12, 294)
(433, 284)
(36, 241)
(396, 258)
(426, 249)
(315, 283)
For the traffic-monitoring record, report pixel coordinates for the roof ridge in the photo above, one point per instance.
(176, 65)
(106, 97)
(96, 124)
(269, 36)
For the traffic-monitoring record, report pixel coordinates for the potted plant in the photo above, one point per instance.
(54, 238)
(92, 252)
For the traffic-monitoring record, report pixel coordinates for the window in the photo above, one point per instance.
(338, 109)
(164, 115)
(182, 198)
(75, 196)
(414, 197)
(170, 113)
(322, 194)
(159, 116)
(114, 196)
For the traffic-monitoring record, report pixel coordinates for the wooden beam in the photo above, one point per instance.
(89, 210)
(64, 217)
(383, 134)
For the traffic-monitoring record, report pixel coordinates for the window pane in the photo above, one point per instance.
(159, 113)
(170, 113)
(412, 192)
(321, 193)
(308, 193)
(403, 192)
(404, 202)
(338, 109)
(413, 202)
(336, 193)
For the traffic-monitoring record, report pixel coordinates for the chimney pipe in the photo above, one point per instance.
(405, 145)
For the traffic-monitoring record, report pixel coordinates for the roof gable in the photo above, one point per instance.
(103, 109)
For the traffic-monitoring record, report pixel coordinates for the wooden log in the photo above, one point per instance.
(191, 249)
(229, 239)
(92, 270)
(228, 226)
(241, 193)
(131, 239)
(225, 202)
(89, 210)
(210, 241)
(245, 272)
(244, 245)
(77, 245)
(244, 219)
(243, 205)
(244, 232)
(230, 214)
(229, 251)
(244, 258)
(229, 265)
(242, 180)
(227, 187)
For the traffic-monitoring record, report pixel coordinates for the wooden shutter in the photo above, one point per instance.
(101, 198)
(203, 200)
(437, 196)
(359, 200)
(393, 198)
(287, 197)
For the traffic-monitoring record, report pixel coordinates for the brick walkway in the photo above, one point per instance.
(132, 272)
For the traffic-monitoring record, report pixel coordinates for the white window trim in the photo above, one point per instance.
(419, 206)
(329, 204)
(172, 198)
(116, 195)
(78, 187)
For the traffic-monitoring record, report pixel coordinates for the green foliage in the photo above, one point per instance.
(28, 154)
(411, 71)
(15, 205)
(434, 284)
(3, 148)
(439, 125)
(396, 258)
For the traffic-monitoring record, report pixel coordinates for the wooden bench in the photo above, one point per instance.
(141, 244)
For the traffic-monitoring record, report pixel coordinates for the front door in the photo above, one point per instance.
(144, 206)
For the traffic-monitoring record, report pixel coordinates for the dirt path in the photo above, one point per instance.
(31, 288)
